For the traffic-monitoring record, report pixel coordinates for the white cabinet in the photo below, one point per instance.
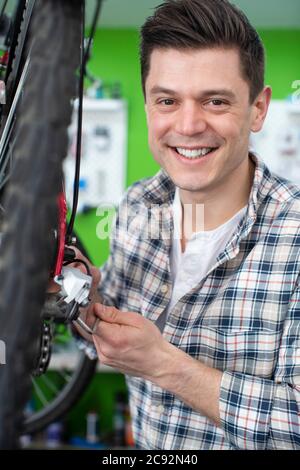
(103, 153)
(278, 143)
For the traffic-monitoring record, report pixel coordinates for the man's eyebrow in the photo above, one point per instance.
(220, 92)
(159, 89)
(207, 93)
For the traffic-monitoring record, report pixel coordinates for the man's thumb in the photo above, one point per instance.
(106, 313)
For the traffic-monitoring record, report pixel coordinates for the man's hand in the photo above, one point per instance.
(134, 345)
(130, 343)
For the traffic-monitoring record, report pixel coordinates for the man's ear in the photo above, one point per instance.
(146, 111)
(260, 108)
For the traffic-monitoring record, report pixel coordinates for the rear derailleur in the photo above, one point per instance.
(63, 307)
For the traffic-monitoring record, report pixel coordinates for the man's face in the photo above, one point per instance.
(199, 115)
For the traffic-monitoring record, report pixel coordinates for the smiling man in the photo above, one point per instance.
(205, 322)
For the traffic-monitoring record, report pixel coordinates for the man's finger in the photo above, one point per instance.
(113, 315)
(95, 326)
(108, 332)
(77, 252)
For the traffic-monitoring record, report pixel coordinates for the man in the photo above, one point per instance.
(205, 317)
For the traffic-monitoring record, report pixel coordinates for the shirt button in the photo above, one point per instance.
(159, 408)
(164, 288)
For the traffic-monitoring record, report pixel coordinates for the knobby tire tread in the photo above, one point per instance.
(30, 203)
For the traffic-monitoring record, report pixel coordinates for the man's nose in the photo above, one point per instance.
(190, 120)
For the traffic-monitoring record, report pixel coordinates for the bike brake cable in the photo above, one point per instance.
(83, 62)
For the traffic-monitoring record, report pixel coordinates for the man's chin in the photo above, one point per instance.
(186, 184)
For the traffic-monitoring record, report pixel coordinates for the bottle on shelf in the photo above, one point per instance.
(92, 438)
(119, 420)
(129, 441)
(92, 428)
(54, 434)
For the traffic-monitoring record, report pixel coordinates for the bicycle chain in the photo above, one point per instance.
(45, 350)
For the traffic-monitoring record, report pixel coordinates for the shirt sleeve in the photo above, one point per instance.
(258, 413)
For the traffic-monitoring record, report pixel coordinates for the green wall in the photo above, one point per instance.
(283, 60)
(115, 58)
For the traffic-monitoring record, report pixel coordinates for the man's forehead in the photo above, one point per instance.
(213, 53)
(173, 68)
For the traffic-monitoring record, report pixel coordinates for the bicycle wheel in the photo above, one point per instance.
(53, 55)
(55, 396)
(57, 391)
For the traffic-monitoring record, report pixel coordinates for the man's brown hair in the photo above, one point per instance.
(194, 24)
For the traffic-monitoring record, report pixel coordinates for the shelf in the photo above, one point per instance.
(101, 104)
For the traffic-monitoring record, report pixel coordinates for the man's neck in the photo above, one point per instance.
(208, 211)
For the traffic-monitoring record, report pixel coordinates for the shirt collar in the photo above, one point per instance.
(262, 185)
(161, 190)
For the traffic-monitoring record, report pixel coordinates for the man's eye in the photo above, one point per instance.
(217, 102)
(167, 102)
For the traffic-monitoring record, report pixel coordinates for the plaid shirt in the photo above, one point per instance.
(243, 318)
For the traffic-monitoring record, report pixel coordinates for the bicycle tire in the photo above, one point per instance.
(30, 202)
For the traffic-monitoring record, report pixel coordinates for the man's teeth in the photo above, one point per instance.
(196, 153)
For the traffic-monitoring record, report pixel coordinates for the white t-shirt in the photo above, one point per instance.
(201, 252)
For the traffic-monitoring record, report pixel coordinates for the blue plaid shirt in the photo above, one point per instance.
(243, 318)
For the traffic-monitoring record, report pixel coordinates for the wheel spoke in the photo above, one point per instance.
(65, 375)
(13, 106)
(49, 384)
(39, 393)
(5, 156)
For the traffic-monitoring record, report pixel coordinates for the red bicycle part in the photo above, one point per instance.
(61, 233)
(4, 58)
